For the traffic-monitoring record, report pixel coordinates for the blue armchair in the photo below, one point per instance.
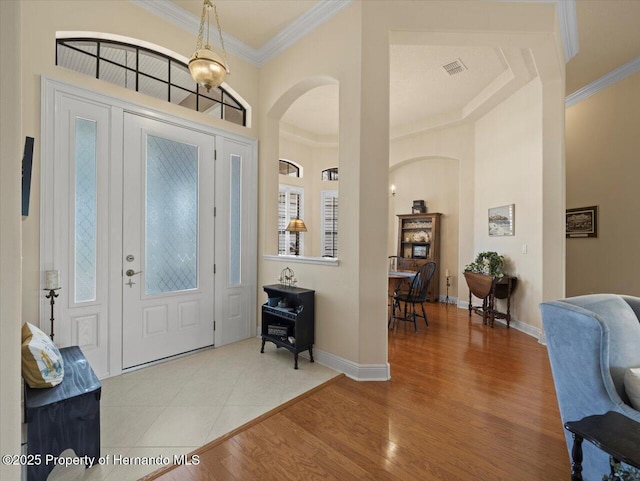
(591, 341)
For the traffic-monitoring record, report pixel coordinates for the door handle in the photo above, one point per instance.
(131, 272)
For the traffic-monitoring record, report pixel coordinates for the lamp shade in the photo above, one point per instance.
(207, 68)
(296, 225)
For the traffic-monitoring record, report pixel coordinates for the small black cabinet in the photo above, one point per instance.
(290, 326)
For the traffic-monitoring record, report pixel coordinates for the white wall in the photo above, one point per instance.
(11, 148)
(508, 170)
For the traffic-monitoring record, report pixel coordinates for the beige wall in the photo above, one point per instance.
(350, 49)
(354, 326)
(11, 148)
(115, 17)
(436, 181)
(603, 168)
(456, 145)
(335, 57)
(314, 158)
(501, 161)
(509, 171)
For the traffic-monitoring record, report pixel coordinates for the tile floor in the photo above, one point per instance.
(177, 406)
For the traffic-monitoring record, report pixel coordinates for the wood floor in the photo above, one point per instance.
(465, 402)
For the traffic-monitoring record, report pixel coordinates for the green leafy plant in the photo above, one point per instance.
(620, 473)
(489, 263)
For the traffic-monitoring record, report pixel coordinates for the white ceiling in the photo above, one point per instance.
(420, 90)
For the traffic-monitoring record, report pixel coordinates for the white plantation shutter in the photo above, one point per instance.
(290, 206)
(329, 228)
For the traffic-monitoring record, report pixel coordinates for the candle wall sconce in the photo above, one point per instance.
(52, 284)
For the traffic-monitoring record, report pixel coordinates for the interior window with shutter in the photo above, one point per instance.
(329, 230)
(290, 206)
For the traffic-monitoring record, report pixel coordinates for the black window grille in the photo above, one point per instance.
(330, 174)
(148, 72)
(289, 168)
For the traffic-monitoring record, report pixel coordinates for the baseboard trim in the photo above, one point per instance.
(517, 325)
(452, 300)
(355, 371)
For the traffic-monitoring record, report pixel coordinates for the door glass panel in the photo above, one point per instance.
(85, 211)
(234, 220)
(171, 216)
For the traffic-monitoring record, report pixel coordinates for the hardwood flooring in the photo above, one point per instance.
(465, 402)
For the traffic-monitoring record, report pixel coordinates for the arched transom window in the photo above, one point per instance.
(288, 168)
(147, 71)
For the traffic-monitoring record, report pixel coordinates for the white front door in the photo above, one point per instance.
(168, 240)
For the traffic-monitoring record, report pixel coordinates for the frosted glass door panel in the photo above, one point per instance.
(85, 210)
(235, 246)
(171, 216)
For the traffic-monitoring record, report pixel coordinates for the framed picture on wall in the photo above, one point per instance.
(582, 222)
(419, 252)
(502, 220)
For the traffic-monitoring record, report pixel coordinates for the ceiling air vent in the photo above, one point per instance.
(455, 67)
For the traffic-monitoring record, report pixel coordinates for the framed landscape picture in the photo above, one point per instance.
(502, 220)
(582, 222)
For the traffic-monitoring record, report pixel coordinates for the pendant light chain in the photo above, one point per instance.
(201, 30)
(224, 51)
(207, 68)
(208, 7)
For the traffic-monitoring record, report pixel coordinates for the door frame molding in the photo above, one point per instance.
(52, 91)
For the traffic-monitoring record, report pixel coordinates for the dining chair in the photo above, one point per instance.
(417, 294)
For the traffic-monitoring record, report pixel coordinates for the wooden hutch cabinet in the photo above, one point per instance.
(418, 243)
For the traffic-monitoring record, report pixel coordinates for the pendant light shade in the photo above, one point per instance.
(208, 68)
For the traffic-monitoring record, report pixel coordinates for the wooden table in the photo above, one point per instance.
(614, 433)
(396, 279)
(489, 289)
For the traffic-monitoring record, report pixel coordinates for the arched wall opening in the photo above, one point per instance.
(312, 152)
(436, 180)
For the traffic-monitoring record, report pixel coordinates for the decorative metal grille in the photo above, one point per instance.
(145, 71)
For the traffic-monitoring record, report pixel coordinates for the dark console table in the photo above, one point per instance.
(292, 325)
(612, 432)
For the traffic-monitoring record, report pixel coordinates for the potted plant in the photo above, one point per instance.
(488, 263)
(621, 473)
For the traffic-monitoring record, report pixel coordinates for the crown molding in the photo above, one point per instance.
(170, 12)
(568, 20)
(603, 82)
(301, 26)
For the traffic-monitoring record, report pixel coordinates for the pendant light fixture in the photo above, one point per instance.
(207, 68)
